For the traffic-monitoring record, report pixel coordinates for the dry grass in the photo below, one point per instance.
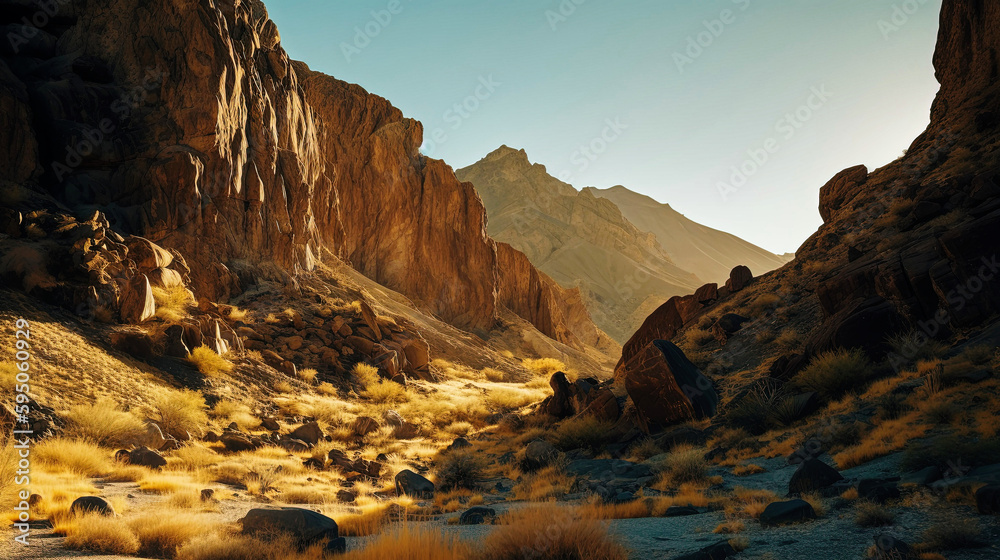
(460, 469)
(172, 304)
(763, 304)
(685, 463)
(584, 432)
(952, 533)
(161, 533)
(746, 470)
(551, 532)
(107, 535)
(376, 389)
(233, 546)
(508, 399)
(544, 367)
(748, 503)
(635, 509)
(307, 375)
(410, 543)
(209, 363)
(104, 423)
(179, 413)
(546, 483)
(729, 527)
(870, 514)
(832, 374)
(227, 411)
(75, 456)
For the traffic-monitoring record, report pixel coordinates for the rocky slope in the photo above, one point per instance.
(576, 238)
(905, 261)
(188, 124)
(708, 253)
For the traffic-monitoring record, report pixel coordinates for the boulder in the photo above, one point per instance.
(811, 476)
(459, 444)
(681, 511)
(739, 278)
(137, 303)
(235, 442)
(538, 454)
(988, 499)
(309, 432)
(270, 424)
(840, 190)
(781, 513)
(147, 255)
(878, 490)
(888, 547)
(91, 504)
(364, 425)
(477, 516)
(412, 484)
(665, 387)
(173, 342)
(293, 445)
(370, 319)
(145, 457)
(306, 527)
(165, 278)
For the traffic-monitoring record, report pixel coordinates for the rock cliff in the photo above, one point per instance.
(186, 122)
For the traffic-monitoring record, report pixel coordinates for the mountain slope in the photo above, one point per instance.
(708, 253)
(577, 239)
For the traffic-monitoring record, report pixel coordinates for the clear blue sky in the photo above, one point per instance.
(550, 80)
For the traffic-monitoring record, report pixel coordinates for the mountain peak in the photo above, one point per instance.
(506, 151)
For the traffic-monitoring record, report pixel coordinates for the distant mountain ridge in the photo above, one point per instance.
(584, 239)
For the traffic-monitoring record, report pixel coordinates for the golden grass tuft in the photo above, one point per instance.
(179, 413)
(76, 456)
(376, 389)
(233, 546)
(409, 543)
(582, 432)
(307, 375)
(832, 374)
(172, 304)
(871, 514)
(551, 532)
(161, 533)
(549, 482)
(209, 363)
(685, 463)
(104, 423)
(106, 535)
(544, 367)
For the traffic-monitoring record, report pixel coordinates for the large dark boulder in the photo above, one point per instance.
(309, 432)
(739, 278)
(988, 499)
(538, 454)
(717, 551)
(143, 456)
(412, 484)
(477, 516)
(812, 475)
(91, 504)
(305, 526)
(781, 513)
(665, 387)
(878, 490)
(840, 190)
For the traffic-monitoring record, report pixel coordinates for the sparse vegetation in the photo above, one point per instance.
(460, 469)
(871, 514)
(544, 367)
(834, 373)
(104, 423)
(584, 432)
(172, 304)
(209, 363)
(573, 537)
(106, 535)
(179, 413)
(952, 533)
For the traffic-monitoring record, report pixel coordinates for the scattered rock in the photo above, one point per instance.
(477, 516)
(538, 454)
(781, 513)
(812, 475)
(305, 526)
(888, 547)
(92, 504)
(364, 425)
(878, 490)
(207, 495)
(988, 499)
(145, 457)
(309, 432)
(459, 443)
(717, 551)
(412, 484)
(270, 424)
(681, 511)
(346, 496)
(234, 442)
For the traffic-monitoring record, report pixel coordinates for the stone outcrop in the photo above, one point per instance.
(189, 126)
(665, 387)
(840, 190)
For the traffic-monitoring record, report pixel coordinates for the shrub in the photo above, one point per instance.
(104, 424)
(544, 366)
(227, 411)
(408, 543)
(686, 464)
(106, 535)
(584, 432)
(179, 413)
(378, 390)
(952, 533)
(871, 514)
(460, 469)
(549, 482)
(172, 304)
(789, 338)
(161, 533)
(209, 363)
(763, 304)
(494, 375)
(700, 337)
(754, 411)
(551, 533)
(832, 374)
(508, 399)
(233, 546)
(80, 457)
(307, 375)
(915, 346)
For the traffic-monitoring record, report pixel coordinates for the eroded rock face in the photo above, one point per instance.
(841, 189)
(215, 144)
(665, 387)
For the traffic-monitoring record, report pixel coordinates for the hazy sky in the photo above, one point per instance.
(665, 97)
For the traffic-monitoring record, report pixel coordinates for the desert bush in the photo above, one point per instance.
(307, 375)
(789, 338)
(377, 389)
(891, 407)
(179, 413)
(106, 535)
(172, 304)
(754, 411)
(495, 375)
(551, 533)
(8, 379)
(409, 543)
(549, 482)
(763, 303)
(584, 432)
(104, 423)
(76, 456)
(952, 533)
(508, 399)
(915, 346)
(460, 469)
(871, 514)
(948, 450)
(645, 449)
(227, 411)
(233, 546)
(209, 363)
(161, 533)
(832, 374)
(544, 367)
(686, 464)
(700, 337)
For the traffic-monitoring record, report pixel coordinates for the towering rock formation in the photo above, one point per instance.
(578, 239)
(187, 123)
